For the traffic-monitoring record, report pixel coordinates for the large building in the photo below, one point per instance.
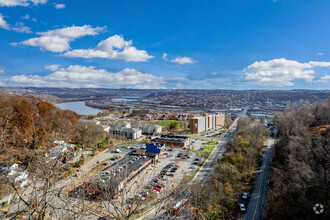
(111, 181)
(124, 129)
(148, 128)
(206, 122)
(175, 141)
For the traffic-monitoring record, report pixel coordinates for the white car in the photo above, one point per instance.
(242, 207)
(118, 151)
(245, 195)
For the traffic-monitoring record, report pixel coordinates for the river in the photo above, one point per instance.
(79, 107)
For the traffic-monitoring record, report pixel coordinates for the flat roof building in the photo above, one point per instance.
(199, 124)
(176, 141)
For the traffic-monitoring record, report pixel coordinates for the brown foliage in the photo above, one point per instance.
(299, 176)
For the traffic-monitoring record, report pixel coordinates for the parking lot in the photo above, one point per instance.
(161, 178)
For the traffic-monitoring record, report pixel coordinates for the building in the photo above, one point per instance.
(124, 129)
(113, 179)
(175, 141)
(206, 122)
(60, 147)
(155, 149)
(148, 128)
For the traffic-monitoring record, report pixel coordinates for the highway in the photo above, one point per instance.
(256, 207)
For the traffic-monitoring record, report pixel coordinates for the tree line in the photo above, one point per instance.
(299, 174)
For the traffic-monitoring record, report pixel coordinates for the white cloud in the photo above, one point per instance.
(58, 40)
(281, 72)
(320, 54)
(114, 47)
(324, 79)
(24, 3)
(214, 73)
(21, 28)
(2, 72)
(53, 67)
(3, 23)
(165, 56)
(26, 17)
(59, 6)
(83, 76)
(183, 60)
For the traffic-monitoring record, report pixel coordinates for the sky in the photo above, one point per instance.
(172, 44)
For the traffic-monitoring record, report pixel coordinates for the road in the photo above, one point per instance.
(202, 175)
(257, 202)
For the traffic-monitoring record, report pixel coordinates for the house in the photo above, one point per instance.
(58, 151)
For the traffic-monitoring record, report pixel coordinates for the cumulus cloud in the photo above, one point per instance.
(114, 47)
(89, 76)
(165, 56)
(3, 23)
(53, 67)
(320, 54)
(24, 3)
(281, 72)
(2, 72)
(59, 6)
(58, 40)
(183, 60)
(21, 28)
(324, 79)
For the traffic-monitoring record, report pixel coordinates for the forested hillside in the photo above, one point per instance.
(299, 176)
(29, 126)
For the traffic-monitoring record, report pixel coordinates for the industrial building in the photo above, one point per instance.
(173, 141)
(113, 179)
(200, 124)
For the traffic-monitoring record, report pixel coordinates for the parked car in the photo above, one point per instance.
(196, 159)
(117, 150)
(242, 208)
(192, 167)
(149, 186)
(188, 157)
(170, 174)
(195, 163)
(169, 149)
(157, 189)
(245, 195)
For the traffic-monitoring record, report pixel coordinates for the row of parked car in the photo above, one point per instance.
(241, 205)
(159, 182)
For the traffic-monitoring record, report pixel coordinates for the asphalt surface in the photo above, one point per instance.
(256, 207)
(202, 175)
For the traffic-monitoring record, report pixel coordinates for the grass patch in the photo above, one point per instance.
(172, 123)
(212, 143)
(116, 156)
(185, 180)
(207, 149)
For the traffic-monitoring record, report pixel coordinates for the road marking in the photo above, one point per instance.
(263, 173)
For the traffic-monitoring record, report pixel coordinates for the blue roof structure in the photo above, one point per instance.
(155, 148)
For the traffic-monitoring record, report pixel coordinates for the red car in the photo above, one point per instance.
(157, 189)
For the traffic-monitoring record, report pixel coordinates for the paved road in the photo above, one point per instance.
(203, 174)
(257, 202)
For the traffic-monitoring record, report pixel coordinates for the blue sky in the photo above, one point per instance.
(220, 44)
